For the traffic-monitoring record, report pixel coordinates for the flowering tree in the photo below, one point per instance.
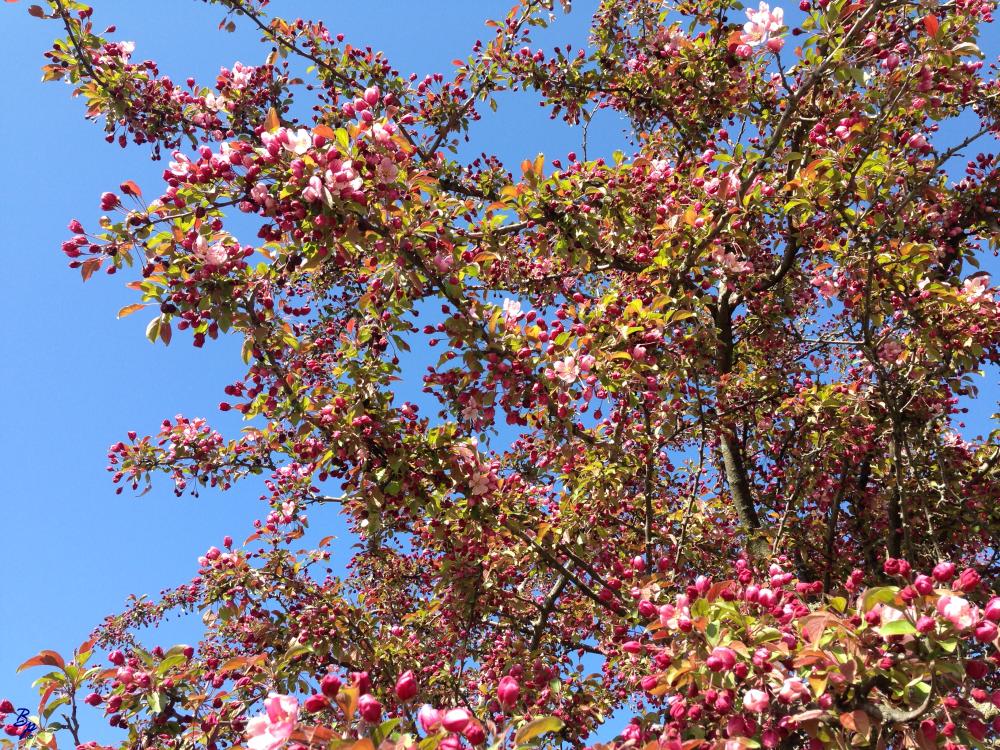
(694, 452)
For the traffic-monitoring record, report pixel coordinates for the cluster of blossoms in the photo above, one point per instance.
(749, 661)
(449, 728)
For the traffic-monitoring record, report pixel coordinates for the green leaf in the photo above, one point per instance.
(536, 728)
(898, 627)
(156, 702)
(878, 595)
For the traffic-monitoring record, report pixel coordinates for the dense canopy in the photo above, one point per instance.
(695, 450)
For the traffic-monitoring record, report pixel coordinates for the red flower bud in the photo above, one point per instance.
(977, 670)
(986, 632)
(6, 706)
(475, 733)
(109, 201)
(116, 657)
(316, 702)
(968, 580)
(330, 685)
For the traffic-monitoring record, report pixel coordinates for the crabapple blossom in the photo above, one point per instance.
(761, 24)
(272, 729)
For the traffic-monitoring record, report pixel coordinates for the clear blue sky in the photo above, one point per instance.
(75, 379)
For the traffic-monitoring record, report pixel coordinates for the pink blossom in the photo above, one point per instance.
(891, 352)
(383, 132)
(977, 289)
(792, 690)
(957, 611)
(756, 701)
(211, 255)
(272, 729)
(761, 24)
(429, 718)
(298, 141)
(386, 171)
(567, 369)
(511, 310)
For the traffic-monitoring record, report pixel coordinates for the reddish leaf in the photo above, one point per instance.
(271, 122)
(46, 659)
(931, 24)
(89, 267)
(326, 131)
(130, 188)
(36, 11)
(129, 309)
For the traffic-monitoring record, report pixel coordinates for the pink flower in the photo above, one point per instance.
(567, 369)
(272, 729)
(977, 288)
(792, 690)
(761, 24)
(891, 352)
(429, 718)
(406, 685)
(957, 611)
(299, 141)
(370, 708)
(511, 310)
(756, 701)
(210, 255)
(986, 632)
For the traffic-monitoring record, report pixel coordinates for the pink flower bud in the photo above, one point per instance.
(943, 572)
(925, 624)
(369, 708)
(372, 95)
(992, 611)
(93, 699)
(406, 686)
(986, 632)
(116, 657)
(924, 585)
(632, 647)
(109, 201)
(456, 719)
(508, 691)
(647, 609)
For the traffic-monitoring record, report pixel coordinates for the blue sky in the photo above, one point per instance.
(75, 379)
